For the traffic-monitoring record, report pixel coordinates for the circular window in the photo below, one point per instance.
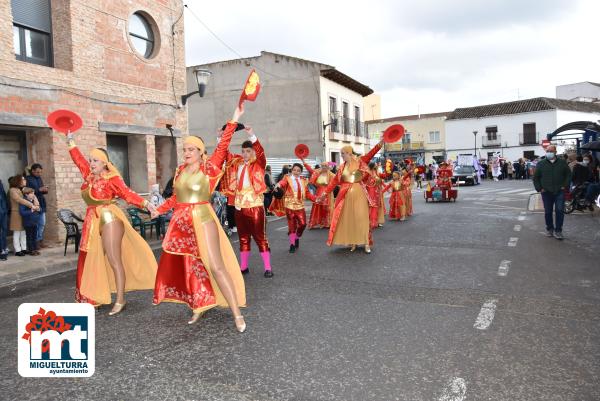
(141, 34)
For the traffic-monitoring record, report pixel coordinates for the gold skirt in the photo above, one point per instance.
(353, 225)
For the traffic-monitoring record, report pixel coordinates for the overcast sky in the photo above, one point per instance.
(419, 55)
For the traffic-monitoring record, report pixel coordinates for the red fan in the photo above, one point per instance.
(64, 121)
(251, 88)
(301, 151)
(393, 133)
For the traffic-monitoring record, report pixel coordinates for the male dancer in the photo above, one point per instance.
(295, 191)
(245, 178)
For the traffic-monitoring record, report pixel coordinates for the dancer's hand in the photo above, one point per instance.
(249, 131)
(238, 113)
(152, 209)
(69, 137)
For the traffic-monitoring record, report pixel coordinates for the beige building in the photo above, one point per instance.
(119, 64)
(424, 139)
(372, 107)
(301, 101)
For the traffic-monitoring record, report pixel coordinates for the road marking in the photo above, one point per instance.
(455, 390)
(521, 218)
(503, 268)
(513, 241)
(523, 213)
(486, 315)
(235, 240)
(281, 228)
(517, 227)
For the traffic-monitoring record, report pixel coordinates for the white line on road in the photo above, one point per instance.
(513, 241)
(523, 213)
(455, 390)
(486, 315)
(517, 227)
(281, 228)
(503, 268)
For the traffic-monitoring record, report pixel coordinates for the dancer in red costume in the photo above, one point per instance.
(295, 192)
(198, 266)
(245, 177)
(350, 221)
(407, 184)
(375, 186)
(320, 213)
(113, 257)
(397, 202)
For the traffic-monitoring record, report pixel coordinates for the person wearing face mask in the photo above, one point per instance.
(113, 257)
(581, 171)
(198, 266)
(552, 177)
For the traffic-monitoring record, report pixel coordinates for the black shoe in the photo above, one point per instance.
(20, 253)
(3, 256)
(558, 235)
(297, 245)
(268, 274)
(292, 248)
(246, 271)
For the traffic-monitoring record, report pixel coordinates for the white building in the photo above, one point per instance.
(581, 91)
(513, 129)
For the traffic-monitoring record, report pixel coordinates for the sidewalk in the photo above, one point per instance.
(16, 271)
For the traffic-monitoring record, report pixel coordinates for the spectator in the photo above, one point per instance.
(268, 195)
(484, 169)
(284, 171)
(16, 224)
(572, 160)
(510, 169)
(3, 222)
(30, 218)
(34, 181)
(168, 192)
(581, 171)
(552, 177)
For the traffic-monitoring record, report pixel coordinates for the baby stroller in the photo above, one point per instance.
(219, 204)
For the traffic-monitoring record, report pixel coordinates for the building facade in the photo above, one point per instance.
(512, 129)
(119, 65)
(424, 139)
(301, 101)
(581, 91)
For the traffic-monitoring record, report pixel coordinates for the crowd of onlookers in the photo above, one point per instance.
(23, 212)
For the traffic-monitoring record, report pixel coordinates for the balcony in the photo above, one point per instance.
(529, 138)
(405, 146)
(491, 141)
(348, 129)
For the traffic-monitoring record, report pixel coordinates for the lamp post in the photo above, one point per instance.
(475, 147)
(202, 77)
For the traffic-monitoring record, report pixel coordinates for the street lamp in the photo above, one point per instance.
(475, 137)
(202, 77)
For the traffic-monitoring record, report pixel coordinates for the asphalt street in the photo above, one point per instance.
(464, 301)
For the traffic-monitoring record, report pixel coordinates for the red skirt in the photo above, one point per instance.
(397, 207)
(319, 216)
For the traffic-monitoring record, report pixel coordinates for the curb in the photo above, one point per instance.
(19, 283)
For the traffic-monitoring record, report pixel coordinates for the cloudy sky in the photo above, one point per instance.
(419, 55)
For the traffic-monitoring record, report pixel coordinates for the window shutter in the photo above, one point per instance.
(32, 14)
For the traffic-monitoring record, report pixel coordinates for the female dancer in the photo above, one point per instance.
(350, 220)
(320, 214)
(112, 255)
(375, 185)
(397, 203)
(198, 266)
(407, 184)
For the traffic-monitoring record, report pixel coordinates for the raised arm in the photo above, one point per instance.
(308, 168)
(78, 158)
(367, 158)
(222, 150)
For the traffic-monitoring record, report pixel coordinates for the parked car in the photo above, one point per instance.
(464, 175)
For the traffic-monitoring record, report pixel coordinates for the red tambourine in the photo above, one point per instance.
(301, 151)
(64, 121)
(251, 88)
(393, 133)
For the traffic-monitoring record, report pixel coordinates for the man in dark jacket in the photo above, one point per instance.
(35, 181)
(3, 222)
(552, 177)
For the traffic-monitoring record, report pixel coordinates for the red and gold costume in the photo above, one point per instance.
(320, 213)
(350, 220)
(246, 181)
(444, 180)
(295, 191)
(375, 187)
(184, 271)
(407, 186)
(397, 199)
(95, 278)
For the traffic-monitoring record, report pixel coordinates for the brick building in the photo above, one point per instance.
(118, 64)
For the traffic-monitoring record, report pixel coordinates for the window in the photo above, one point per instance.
(406, 138)
(492, 133)
(529, 134)
(141, 35)
(357, 121)
(333, 113)
(32, 31)
(434, 136)
(346, 119)
(529, 154)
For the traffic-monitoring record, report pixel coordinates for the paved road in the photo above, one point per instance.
(465, 301)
